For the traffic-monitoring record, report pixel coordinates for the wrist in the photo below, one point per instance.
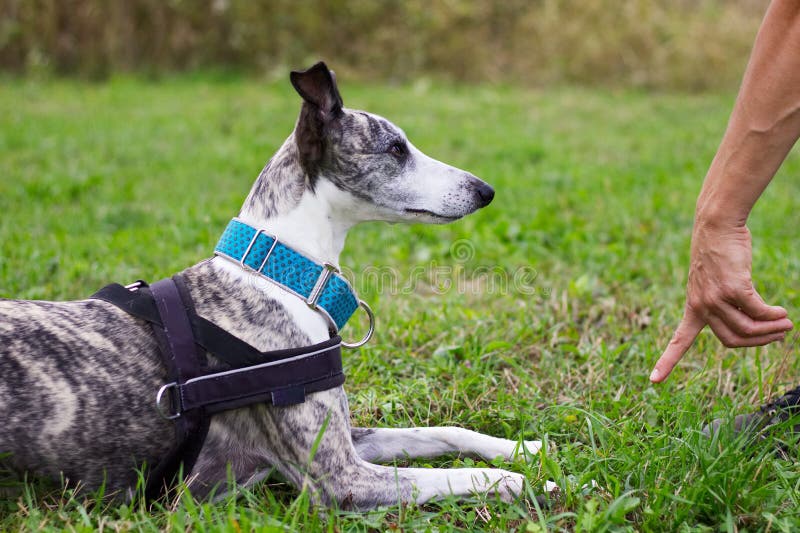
(721, 203)
(719, 215)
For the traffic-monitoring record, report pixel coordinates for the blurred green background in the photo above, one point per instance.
(130, 132)
(662, 44)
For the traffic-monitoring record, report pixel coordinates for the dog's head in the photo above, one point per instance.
(383, 176)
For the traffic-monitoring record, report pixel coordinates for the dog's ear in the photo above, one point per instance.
(317, 86)
(321, 105)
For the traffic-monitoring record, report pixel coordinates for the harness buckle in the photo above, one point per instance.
(327, 271)
(171, 389)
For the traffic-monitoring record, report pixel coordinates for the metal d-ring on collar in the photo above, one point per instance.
(327, 271)
(368, 336)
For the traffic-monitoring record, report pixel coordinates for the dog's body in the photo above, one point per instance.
(77, 379)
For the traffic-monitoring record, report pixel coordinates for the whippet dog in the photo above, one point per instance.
(77, 378)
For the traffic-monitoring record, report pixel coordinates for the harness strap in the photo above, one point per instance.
(213, 339)
(176, 326)
(312, 367)
(282, 377)
(283, 382)
(183, 362)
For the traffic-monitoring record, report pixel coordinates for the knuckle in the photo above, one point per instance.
(727, 289)
(728, 292)
(726, 342)
(696, 303)
(711, 299)
(748, 329)
(730, 341)
(678, 339)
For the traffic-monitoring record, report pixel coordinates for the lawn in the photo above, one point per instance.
(538, 317)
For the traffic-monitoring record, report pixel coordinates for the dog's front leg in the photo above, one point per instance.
(387, 444)
(310, 444)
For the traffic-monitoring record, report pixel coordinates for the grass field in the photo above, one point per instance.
(538, 317)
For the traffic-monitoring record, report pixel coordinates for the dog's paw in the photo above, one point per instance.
(529, 447)
(528, 450)
(509, 486)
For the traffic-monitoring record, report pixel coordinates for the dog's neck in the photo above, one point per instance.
(283, 203)
(313, 222)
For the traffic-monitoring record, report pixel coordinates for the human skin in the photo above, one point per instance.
(763, 127)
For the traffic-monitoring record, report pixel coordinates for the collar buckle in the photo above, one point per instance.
(260, 268)
(247, 251)
(327, 271)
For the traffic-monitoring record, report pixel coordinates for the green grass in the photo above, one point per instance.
(595, 191)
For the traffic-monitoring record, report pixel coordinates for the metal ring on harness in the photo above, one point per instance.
(368, 336)
(160, 395)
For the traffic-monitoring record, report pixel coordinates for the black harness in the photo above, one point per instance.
(195, 391)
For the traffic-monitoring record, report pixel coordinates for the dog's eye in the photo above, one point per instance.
(398, 149)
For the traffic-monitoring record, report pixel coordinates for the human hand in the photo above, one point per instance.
(720, 293)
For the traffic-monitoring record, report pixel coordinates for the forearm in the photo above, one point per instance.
(764, 125)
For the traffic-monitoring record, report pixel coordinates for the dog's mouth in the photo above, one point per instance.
(431, 214)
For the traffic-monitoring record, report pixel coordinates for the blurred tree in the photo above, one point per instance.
(671, 44)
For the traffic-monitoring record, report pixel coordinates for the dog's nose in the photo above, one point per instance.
(485, 192)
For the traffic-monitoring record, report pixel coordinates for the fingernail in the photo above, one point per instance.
(654, 375)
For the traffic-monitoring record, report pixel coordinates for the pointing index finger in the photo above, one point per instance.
(681, 341)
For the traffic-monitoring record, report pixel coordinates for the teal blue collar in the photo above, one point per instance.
(321, 286)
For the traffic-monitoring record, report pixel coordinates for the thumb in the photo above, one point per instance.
(682, 340)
